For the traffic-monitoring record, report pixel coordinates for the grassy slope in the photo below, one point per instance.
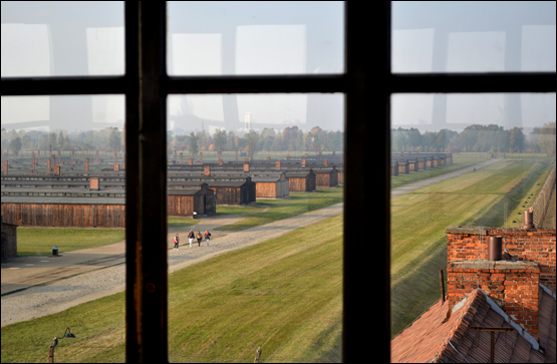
(419, 219)
(284, 295)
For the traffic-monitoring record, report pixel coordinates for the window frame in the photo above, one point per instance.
(146, 86)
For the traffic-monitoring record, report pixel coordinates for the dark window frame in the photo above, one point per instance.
(146, 85)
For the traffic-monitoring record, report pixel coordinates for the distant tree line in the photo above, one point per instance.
(112, 140)
(270, 140)
(476, 138)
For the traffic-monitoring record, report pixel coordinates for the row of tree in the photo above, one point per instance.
(111, 139)
(476, 138)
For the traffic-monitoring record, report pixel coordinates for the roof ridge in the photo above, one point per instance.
(471, 305)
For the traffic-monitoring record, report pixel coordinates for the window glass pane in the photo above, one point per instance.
(263, 174)
(255, 37)
(62, 38)
(63, 191)
(464, 160)
(473, 36)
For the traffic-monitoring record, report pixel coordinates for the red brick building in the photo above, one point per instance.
(502, 310)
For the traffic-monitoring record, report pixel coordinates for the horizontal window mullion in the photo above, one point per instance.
(79, 85)
(256, 84)
(472, 82)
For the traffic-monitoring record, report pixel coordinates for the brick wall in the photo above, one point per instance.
(514, 286)
(535, 245)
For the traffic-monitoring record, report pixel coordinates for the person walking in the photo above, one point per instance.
(199, 238)
(191, 236)
(176, 241)
(207, 236)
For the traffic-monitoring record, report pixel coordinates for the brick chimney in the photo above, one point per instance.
(94, 184)
(514, 282)
(207, 171)
(86, 164)
(246, 167)
(277, 165)
(514, 286)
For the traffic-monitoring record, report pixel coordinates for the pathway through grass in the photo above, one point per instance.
(283, 295)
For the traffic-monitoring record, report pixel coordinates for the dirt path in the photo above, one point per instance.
(427, 182)
(63, 292)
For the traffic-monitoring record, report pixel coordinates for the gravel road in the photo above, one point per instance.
(62, 294)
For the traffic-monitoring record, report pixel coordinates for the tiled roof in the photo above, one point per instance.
(430, 339)
(548, 329)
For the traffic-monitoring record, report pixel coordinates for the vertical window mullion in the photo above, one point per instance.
(146, 229)
(367, 230)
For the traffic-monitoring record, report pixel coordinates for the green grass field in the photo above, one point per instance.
(460, 161)
(419, 220)
(39, 241)
(266, 211)
(283, 295)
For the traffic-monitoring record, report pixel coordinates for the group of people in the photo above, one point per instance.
(191, 237)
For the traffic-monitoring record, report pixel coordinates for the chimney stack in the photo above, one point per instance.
(207, 171)
(94, 184)
(514, 283)
(87, 164)
(514, 286)
(277, 163)
(246, 167)
(529, 219)
(495, 248)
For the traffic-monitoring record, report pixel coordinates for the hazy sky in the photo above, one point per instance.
(226, 38)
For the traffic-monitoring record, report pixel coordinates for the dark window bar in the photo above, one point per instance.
(397, 83)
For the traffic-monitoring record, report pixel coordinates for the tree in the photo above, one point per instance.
(546, 140)
(194, 146)
(517, 138)
(52, 140)
(252, 140)
(60, 141)
(15, 145)
(219, 140)
(114, 140)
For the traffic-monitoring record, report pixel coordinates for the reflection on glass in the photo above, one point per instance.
(461, 160)
(465, 36)
(240, 38)
(243, 170)
(60, 38)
